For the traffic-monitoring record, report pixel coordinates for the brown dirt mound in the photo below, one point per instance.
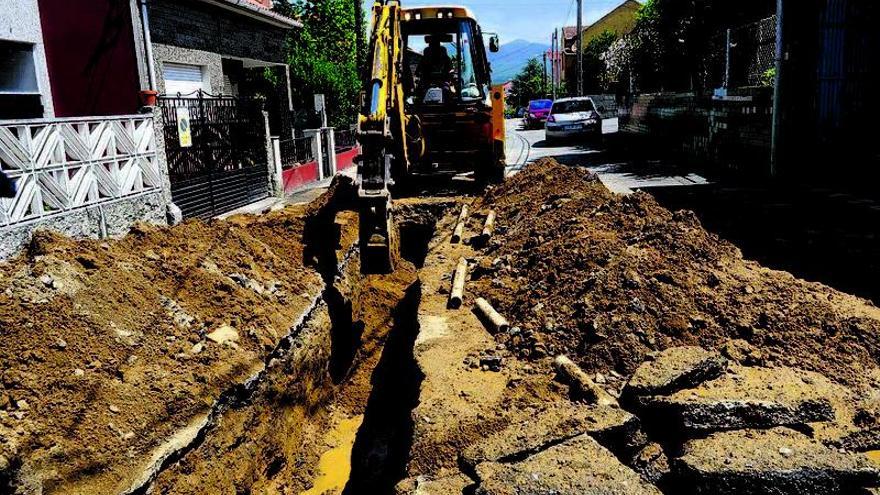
(610, 279)
(103, 348)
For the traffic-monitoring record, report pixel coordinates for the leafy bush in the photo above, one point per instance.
(323, 56)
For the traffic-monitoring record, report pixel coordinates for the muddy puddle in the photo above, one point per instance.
(334, 466)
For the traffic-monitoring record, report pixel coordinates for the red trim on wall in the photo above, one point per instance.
(345, 159)
(295, 178)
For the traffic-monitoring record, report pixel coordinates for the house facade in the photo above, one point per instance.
(88, 158)
(25, 91)
(83, 158)
(209, 45)
(620, 21)
(207, 58)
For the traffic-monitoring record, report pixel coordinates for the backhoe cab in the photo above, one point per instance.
(448, 88)
(429, 109)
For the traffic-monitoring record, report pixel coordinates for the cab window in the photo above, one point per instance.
(440, 57)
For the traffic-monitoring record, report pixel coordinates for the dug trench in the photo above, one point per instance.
(333, 417)
(161, 367)
(642, 355)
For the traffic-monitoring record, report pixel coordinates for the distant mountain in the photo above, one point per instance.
(512, 57)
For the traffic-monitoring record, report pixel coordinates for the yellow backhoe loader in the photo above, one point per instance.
(429, 108)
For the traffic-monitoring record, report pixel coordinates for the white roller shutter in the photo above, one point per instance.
(183, 79)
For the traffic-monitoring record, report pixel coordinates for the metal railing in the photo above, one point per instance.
(345, 139)
(296, 151)
(228, 133)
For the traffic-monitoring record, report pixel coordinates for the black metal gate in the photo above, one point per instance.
(226, 166)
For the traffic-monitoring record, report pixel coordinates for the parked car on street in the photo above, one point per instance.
(573, 118)
(537, 113)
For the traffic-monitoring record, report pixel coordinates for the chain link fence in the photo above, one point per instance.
(741, 56)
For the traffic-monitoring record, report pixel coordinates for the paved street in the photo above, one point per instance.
(618, 170)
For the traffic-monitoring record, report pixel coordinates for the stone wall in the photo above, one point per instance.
(114, 219)
(199, 26)
(733, 134)
(88, 177)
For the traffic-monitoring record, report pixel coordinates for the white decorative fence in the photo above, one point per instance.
(61, 165)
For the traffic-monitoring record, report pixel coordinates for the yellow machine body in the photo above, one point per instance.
(423, 114)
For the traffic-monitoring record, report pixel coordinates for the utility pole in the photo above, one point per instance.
(553, 41)
(727, 59)
(560, 56)
(580, 49)
(544, 79)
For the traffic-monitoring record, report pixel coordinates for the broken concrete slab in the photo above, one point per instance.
(779, 461)
(675, 369)
(579, 466)
(864, 440)
(747, 398)
(422, 485)
(612, 427)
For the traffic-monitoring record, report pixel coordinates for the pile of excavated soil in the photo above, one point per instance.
(107, 348)
(273, 443)
(609, 279)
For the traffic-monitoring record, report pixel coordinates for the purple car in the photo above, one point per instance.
(537, 113)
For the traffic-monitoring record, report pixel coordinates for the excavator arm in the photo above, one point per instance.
(382, 134)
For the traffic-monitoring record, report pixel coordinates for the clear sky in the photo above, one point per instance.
(531, 20)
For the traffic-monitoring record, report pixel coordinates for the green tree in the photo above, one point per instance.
(323, 55)
(595, 70)
(528, 84)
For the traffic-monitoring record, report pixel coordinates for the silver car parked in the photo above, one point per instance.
(573, 118)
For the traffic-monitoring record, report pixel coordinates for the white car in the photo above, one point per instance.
(573, 118)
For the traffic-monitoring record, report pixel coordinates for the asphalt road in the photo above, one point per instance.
(527, 145)
(619, 170)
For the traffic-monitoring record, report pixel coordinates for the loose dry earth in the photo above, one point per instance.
(692, 370)
(623, 286)
(610, 279)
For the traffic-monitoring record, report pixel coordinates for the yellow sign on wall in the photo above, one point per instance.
(184, 131)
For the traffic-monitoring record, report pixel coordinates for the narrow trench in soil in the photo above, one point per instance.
(381, 448)
(371, 450)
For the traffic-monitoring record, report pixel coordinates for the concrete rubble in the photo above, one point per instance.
(673, 370)
(775, 461)
(578, 466)
(614, 427)
(421, 485)
(748, 398)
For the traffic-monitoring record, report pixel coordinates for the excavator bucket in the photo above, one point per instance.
(378, 234)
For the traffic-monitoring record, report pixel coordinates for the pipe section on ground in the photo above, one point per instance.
(459, 225)
(488, 227)
(457, 293)
(582, 386)
(496, 322)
